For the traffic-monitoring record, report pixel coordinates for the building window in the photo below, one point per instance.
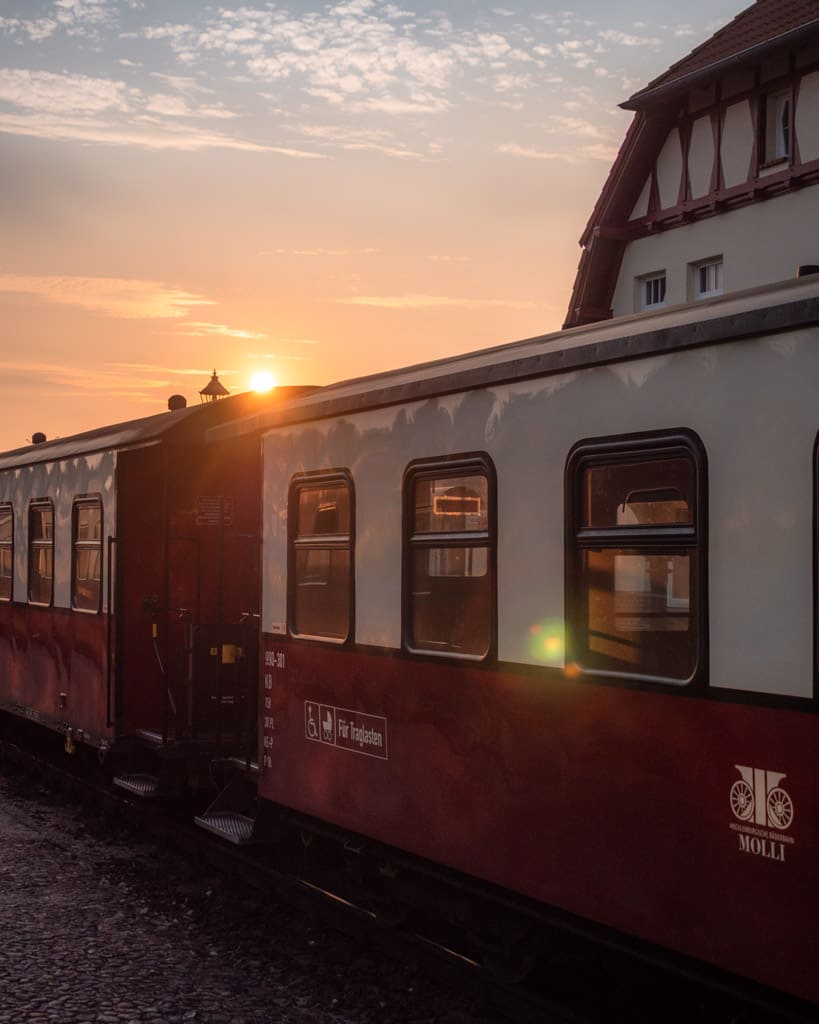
(41, 552)
(707, 278)
(449, 573)
(651, 291)
(776, 126)
(6, 552)
(320, 604)
(636, 557)
(86, 576)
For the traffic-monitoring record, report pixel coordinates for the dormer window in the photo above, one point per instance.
(776, 124)
(651, 290)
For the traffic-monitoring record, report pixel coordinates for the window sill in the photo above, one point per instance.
(779, 161)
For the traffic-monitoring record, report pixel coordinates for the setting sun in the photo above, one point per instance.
(262, 381)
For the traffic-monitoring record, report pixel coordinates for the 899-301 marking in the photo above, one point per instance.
(273, 660)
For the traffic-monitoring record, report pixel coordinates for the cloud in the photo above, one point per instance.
(365, 57)
(201, 329)
(196, 371)
(532, 153)
(134, 381)
(67, 94)
(116, 297)
(36, 30)
(319, 252)
(143, 131)
(613, 35)
(183, 83)
(377, 140)
(431, 302)
(592, 151)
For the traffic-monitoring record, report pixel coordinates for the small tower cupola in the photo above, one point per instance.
(213, 390)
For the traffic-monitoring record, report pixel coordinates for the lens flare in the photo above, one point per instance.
(546, 642)
(262, 381)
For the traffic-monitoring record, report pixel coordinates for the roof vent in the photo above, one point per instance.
(806, 269)
(177, 402)
(38, 437)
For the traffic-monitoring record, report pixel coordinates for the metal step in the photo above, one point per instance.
(150, 736)
(236, 828)
(138, 783)
(241, 764)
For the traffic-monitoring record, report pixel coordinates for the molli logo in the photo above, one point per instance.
(761, 804)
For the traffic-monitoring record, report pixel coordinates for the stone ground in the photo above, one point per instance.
(99, 927)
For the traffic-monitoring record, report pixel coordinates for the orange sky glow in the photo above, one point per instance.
(312, 190)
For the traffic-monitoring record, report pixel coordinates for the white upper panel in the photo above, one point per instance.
(60, 482)
(752, 403)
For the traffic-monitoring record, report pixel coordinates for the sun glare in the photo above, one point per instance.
(262, 381)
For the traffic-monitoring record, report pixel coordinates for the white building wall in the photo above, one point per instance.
(669, 170)
(701, 157)
(737, 143)
(807, 117)
(760, 244)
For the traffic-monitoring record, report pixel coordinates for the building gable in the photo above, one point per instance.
(733, 125)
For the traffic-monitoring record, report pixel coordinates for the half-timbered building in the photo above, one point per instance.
(711, 190)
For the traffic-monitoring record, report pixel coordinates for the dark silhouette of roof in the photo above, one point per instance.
(763, 26)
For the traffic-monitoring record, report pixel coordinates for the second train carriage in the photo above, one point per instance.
(129, 584)
(545, 615)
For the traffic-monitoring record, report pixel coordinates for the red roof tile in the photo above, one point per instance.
(761, 23)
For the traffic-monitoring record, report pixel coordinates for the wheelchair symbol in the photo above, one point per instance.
(319, 723)
(310, 724)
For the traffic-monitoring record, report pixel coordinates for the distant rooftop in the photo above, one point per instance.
(762, 26)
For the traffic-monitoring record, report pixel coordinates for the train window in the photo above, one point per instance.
(449, 577)
(6, 552)
(636, 557)
(41, 552)
(86, 573)
(320, 593)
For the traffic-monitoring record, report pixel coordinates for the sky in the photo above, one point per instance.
(317, 190)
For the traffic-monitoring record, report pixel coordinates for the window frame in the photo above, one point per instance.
(317, 478)
(38, 545)
(697, 268)
(458, 465)
(6, 506)
(770, 124)
(645, 279)
(79, 501)
(816, 569)
(646, 446)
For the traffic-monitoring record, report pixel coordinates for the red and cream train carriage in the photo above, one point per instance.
(545, 615)
(127, 555)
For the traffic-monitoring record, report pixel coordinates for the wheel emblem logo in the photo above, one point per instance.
(757, 796)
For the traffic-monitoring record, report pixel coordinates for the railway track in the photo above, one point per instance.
(572, 982)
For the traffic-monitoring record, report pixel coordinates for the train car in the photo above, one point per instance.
(544, 616)
(129, 586)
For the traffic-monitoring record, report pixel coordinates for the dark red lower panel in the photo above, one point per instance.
(53, 668)
(690, 823)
